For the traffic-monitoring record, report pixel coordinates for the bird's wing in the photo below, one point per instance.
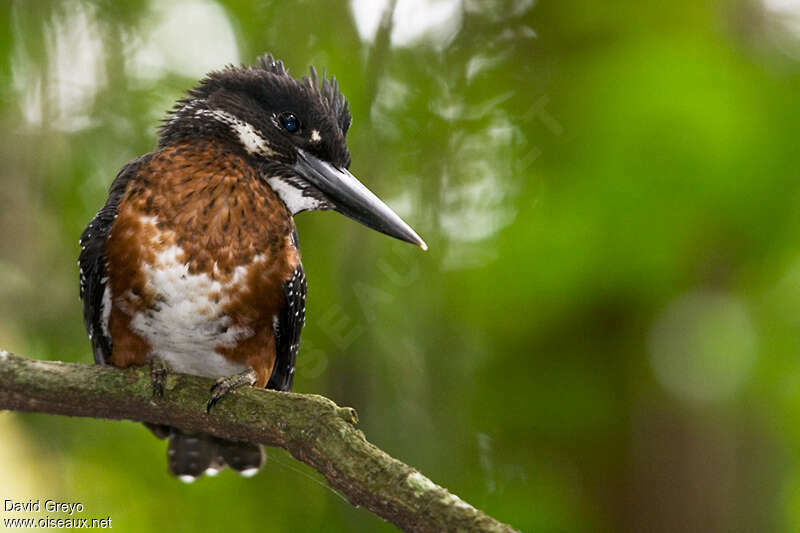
(287, 332)
(94, 290)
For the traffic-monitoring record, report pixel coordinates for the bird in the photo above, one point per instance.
(193, 263)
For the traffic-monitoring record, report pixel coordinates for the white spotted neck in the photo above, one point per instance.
(293, 196)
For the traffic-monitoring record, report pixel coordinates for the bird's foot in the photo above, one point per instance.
(226, 385)
(158, 375)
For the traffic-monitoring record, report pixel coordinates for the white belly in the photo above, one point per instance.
(187, 321)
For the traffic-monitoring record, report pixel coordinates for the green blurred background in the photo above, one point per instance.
(605, 333)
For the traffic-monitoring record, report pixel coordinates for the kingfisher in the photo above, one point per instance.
(193, 263)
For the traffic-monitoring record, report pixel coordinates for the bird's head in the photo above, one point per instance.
(294, 130)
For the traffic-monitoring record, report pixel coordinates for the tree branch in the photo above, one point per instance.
(312, 428)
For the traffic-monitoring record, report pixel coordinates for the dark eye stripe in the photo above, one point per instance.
(289, 122)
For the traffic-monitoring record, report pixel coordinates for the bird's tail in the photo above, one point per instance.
(190, 455)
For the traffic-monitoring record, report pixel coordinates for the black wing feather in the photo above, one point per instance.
(92, 263)
(287, 332)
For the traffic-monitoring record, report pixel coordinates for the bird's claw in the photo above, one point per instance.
(158, 375)
(224, 386)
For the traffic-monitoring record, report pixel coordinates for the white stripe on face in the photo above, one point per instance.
(250, 138)
(292, 196)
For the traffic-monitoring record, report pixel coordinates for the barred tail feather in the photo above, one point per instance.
(189, 456)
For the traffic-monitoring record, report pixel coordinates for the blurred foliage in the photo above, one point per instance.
(604, 333)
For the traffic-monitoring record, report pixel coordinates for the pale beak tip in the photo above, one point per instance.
(423, 245)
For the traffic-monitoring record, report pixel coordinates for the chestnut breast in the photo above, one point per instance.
(197, 258)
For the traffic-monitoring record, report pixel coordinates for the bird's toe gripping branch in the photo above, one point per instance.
(158, 375)
(224, 386)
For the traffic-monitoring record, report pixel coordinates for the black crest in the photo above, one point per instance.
(328, 90)
(257, 95)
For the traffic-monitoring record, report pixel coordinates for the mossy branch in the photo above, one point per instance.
(312, 428)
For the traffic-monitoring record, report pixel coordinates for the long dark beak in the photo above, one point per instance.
(352, 199)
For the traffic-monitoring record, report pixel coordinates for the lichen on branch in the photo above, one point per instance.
(312, 428)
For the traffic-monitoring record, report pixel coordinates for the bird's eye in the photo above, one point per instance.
(289, 122)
